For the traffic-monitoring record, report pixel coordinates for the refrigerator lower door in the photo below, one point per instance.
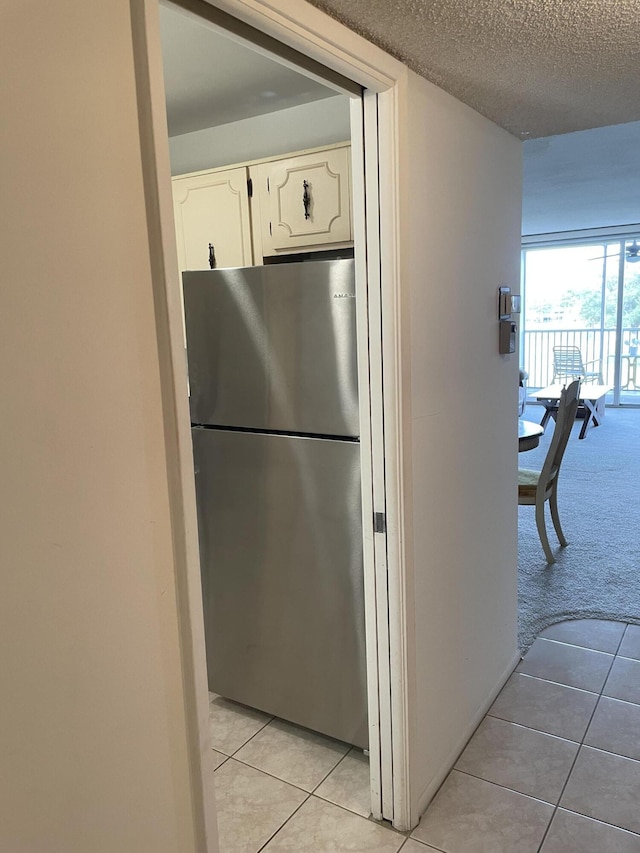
(281, 559)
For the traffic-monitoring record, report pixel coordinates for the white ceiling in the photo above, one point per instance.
(535, 67)
(211, 80)
(583, 180)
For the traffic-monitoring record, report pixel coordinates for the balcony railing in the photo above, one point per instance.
(596, 345)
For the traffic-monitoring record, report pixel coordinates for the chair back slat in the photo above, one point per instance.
(569, 364)
(568, 359)
(565, 419)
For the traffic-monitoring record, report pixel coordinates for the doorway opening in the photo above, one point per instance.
(261, 121)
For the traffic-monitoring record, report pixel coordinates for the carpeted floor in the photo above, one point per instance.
(598, 573)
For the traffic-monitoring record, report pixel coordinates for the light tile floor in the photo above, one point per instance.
(553, 768)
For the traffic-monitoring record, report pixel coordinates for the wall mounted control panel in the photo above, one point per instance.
(508, 304)
(507, 339)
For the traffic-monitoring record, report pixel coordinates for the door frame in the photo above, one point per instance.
(310, 31)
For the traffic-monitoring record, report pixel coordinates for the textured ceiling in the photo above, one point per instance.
(535, 67)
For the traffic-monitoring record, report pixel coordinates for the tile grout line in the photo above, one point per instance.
(549, 681)
(279, 778)
(282, 825)
(408, 837)
(337, 806)
(286, 781)
(297, 787)
(625, 657)
(270, 775)
(613, 655)
(308, 794)
(335, 767)
(604, 823)
(571, 687)
(421, 843)
(580, 745)
(504, 787)
(624, 634)
(533, 729)
(261, 729)
(584, 648)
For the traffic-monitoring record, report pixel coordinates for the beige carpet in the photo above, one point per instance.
(598, 573)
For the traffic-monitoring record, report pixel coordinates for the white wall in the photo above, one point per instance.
(308, 126)
(93, 735)
(589, 179)
(460, 184)
(93, 730)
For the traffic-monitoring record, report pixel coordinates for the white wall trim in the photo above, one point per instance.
(394, 426)
(587, 235)
(379, 612)
(154, 143)
(431, 790)
(307, 29)
(365, 269)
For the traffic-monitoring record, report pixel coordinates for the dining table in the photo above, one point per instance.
(591, 406)
(529, 434)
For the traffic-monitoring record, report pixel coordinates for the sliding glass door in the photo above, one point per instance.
(585, 296)
(629, 371)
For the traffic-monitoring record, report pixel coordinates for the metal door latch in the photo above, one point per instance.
(379, 522)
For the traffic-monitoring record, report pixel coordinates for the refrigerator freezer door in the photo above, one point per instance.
(281, 559)
(274, 347)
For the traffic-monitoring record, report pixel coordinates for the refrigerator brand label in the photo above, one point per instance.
(344, 296)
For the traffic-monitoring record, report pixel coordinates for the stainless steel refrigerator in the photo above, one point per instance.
(274, 409)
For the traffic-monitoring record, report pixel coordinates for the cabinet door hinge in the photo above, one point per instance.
(379, 522)
(250, 187)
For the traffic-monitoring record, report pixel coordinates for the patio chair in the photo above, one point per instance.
(568, 365)
(535, 488)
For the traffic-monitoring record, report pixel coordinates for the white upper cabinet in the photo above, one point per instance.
(212, 208)
(304, 200)
(299, 203)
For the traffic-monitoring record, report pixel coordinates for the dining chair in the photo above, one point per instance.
(535, 488)
(568, 365)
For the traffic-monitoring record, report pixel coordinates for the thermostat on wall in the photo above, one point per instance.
(504, 303)
(508, 303)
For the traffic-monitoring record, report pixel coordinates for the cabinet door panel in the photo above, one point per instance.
(213, 208)
(308, 200)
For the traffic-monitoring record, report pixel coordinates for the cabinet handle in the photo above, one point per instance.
(306, 199)
(212, 257)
